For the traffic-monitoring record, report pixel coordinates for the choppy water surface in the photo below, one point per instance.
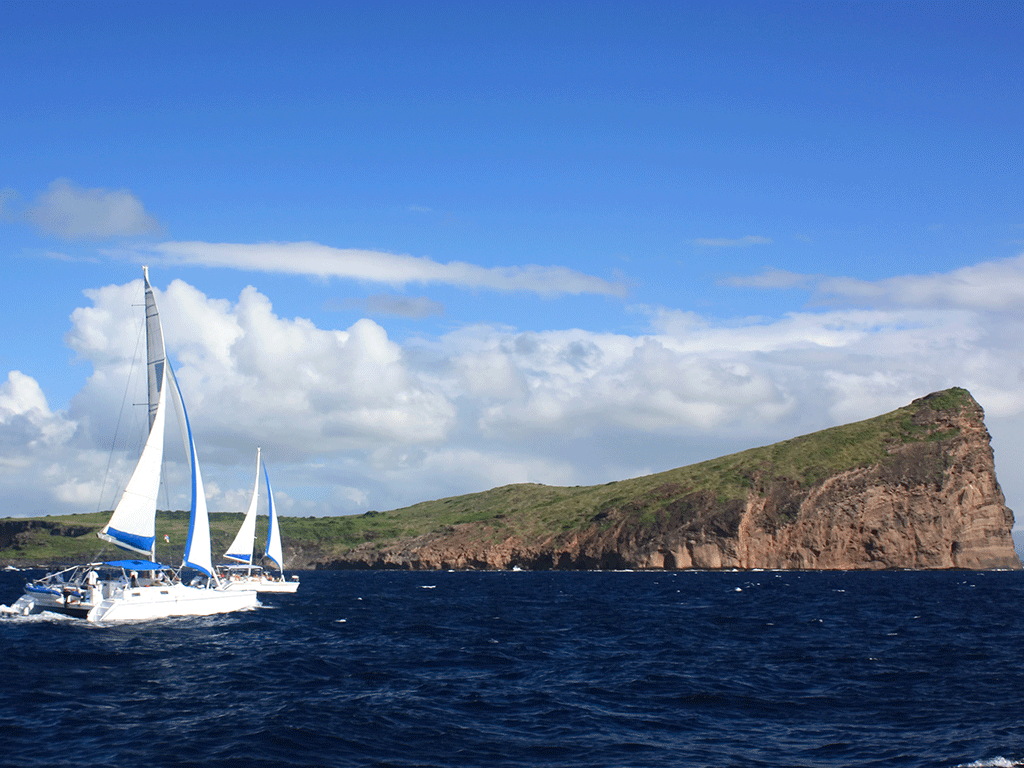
(536, 669)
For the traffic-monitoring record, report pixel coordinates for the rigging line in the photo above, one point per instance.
(167, 503)
(117, 428)
(120, 417)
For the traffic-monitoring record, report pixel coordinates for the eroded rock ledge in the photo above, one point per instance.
(930, 501)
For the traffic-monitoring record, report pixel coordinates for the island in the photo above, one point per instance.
(915, 488)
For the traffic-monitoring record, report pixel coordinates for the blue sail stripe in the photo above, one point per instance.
(132, 542)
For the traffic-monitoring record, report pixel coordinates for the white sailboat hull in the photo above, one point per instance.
(111, 602)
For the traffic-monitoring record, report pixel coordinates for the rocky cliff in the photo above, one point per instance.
(14, 532)
(915, 488)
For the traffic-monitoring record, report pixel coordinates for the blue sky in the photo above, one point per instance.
(417, 250)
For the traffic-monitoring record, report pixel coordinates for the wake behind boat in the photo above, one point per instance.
(244, 574)
(136, 590)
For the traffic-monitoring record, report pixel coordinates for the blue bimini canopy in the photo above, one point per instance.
(137, 565)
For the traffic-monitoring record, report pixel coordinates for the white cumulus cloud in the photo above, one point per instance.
(241, 365)
(25, 415)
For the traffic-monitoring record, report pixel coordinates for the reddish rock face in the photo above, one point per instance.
(933, 503)
(929, 504)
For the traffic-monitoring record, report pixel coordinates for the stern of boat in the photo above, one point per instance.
(25, 606)
(67, 602)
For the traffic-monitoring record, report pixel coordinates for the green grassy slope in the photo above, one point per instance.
(529, 510)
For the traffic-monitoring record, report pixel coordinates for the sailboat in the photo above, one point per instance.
(140, 588)
(247, 575)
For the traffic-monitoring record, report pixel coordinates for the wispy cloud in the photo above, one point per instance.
(61, 256)
(771, 278)
(988, 286)
(74, 213)
(724, 242)
(7, 195)
(379, 267)
(414, 307)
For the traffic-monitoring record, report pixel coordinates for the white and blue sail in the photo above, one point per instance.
(273, 550)
(242, 547)
(133, 524)
(197, 547)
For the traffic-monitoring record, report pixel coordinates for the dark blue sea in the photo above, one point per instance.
(530, 669)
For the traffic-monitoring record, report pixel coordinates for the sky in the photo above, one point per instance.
(416, 250)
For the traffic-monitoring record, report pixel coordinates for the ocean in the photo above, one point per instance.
(530, 669)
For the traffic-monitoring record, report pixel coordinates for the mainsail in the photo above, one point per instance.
(241, 548)
(133, 524)
(156, 355)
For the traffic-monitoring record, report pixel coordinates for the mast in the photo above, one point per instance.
(156, 357)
